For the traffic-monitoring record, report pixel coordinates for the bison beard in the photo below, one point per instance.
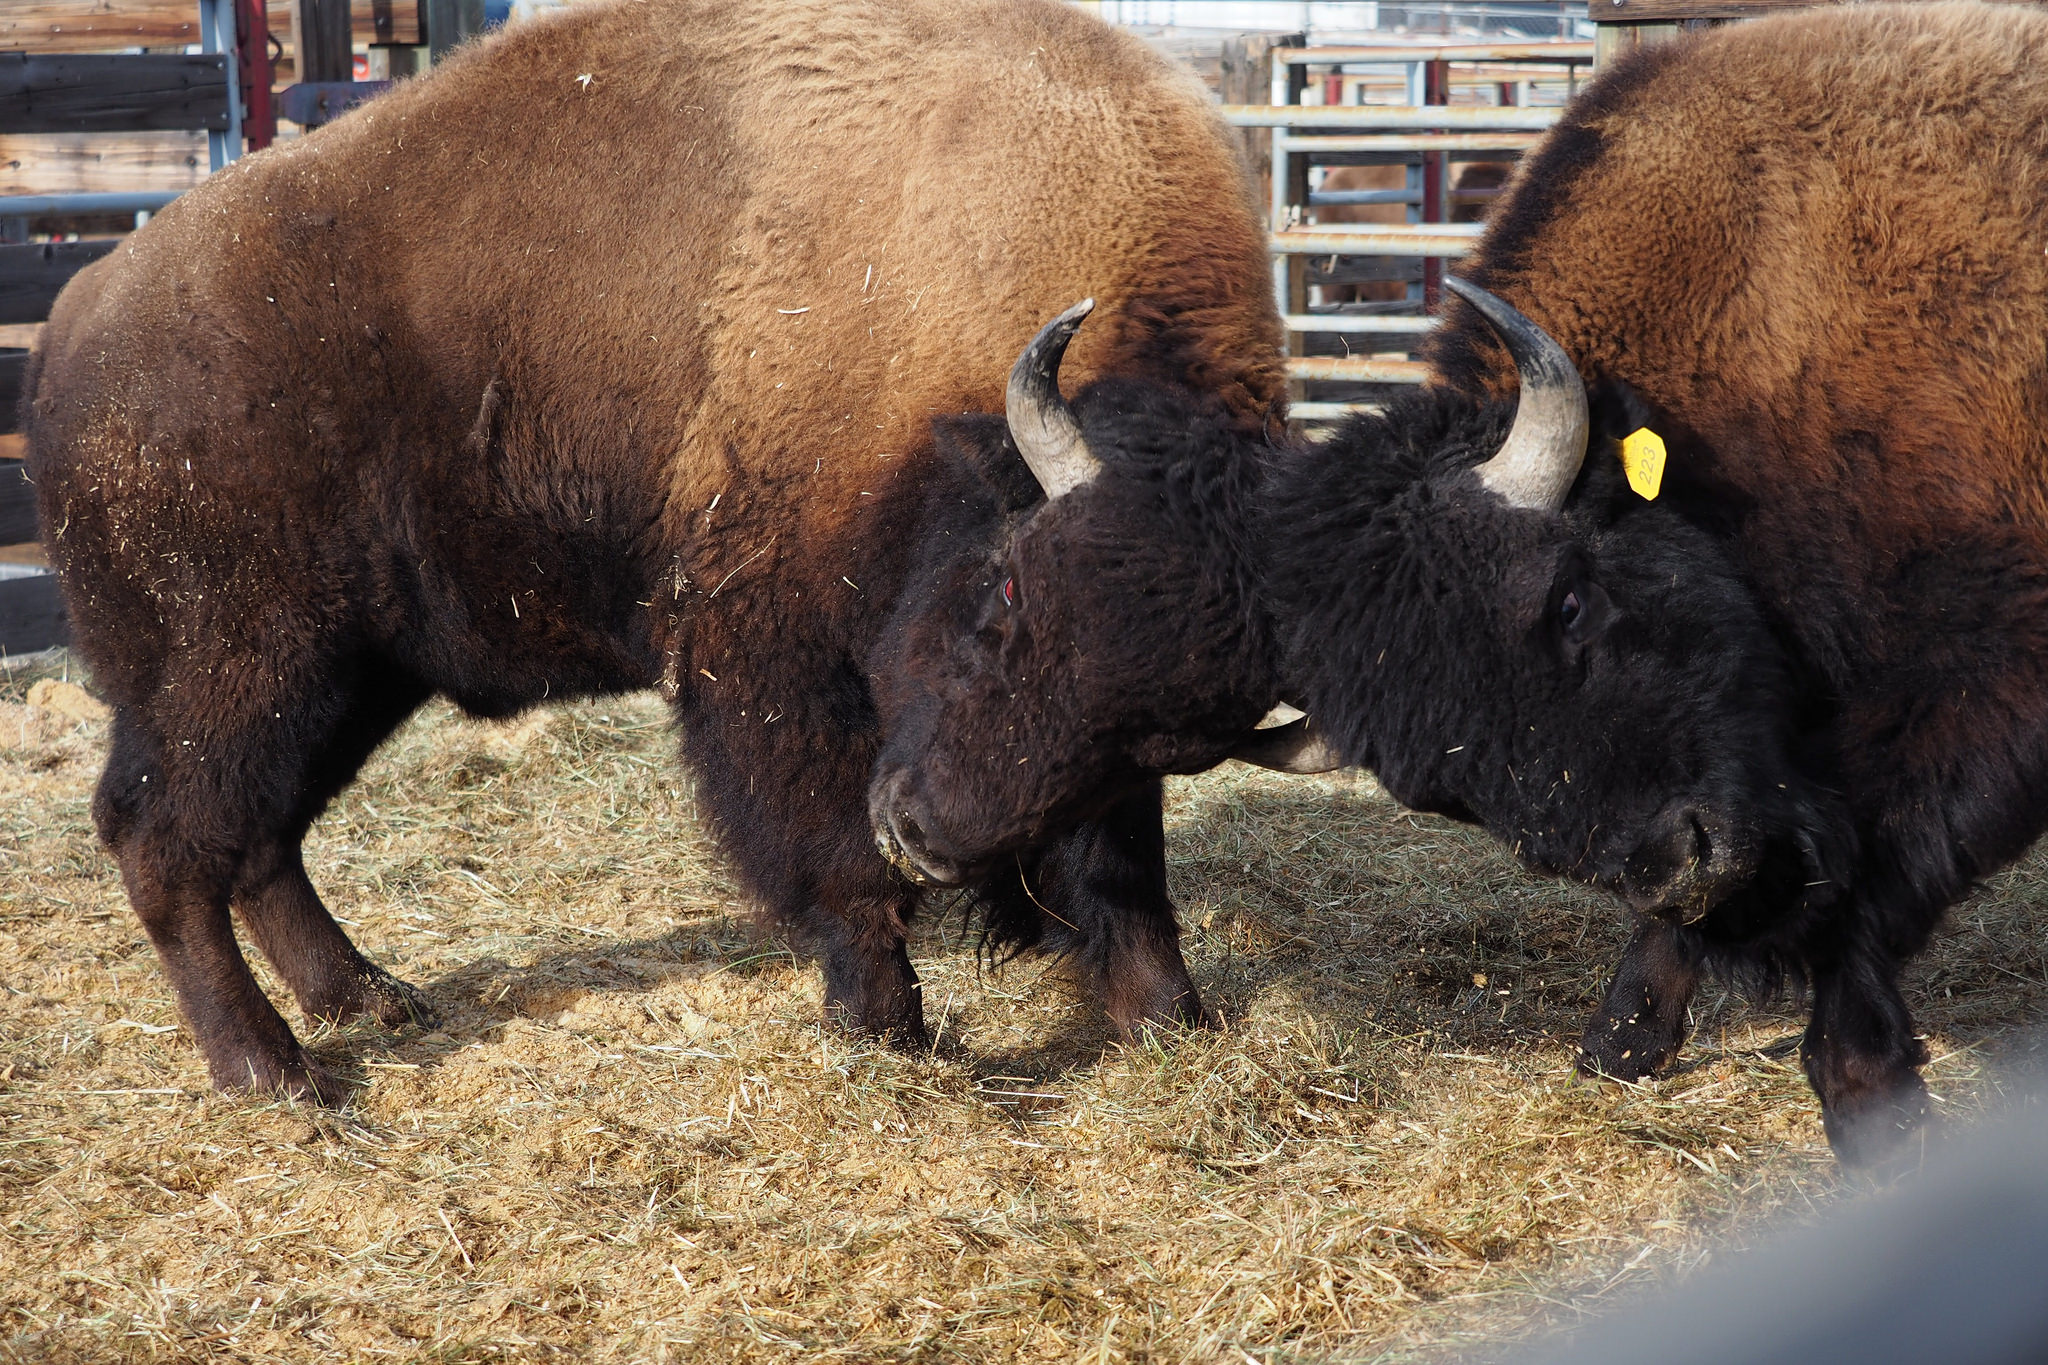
(1807, 251)
(604, 357)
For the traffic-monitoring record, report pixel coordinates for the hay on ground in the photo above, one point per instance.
(628, 1139)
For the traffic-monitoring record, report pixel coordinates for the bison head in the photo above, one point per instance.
(1511, 636)
(1084, 619)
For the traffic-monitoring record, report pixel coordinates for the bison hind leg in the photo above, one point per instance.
(1642, 1018)
(211, 824)
(178, 873)
(273, 897)
(327, 974)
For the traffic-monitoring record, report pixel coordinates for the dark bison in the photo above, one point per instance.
(606, 357)
(1794, 705)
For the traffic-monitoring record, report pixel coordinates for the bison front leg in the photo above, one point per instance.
(1642, 1018)
(1104, 887)
(1864, 1061)
(782, 777)
(871, 990)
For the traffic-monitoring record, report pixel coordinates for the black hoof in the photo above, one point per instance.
(1879, 1131)
(297, 1077)
(374, 994)
(1626, 1048)
(1183, 1014)
(899, 1035)
(398, 1004)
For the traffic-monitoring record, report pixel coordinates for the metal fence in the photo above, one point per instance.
(1424, 108)
(1324, 21)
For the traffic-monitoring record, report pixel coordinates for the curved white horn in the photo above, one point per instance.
(1296, 747)
(1535, 466)
(1041, 423)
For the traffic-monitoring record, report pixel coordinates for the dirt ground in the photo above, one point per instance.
(629, 1140)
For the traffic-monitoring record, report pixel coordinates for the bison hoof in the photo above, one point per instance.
(1878, 1130)
(902, 1035)
(1178, 1015)
(896, 1022)
(397, 1004)
(298, 1077)
(1625, 1048)
(375, 994)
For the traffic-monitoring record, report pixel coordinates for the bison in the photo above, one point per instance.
(1792, 700)
(606, 356)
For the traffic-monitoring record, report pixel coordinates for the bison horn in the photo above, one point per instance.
(1041, 423)
(1535, 466)
(1296, 747)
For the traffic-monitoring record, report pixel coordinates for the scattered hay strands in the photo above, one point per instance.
(629, 1141)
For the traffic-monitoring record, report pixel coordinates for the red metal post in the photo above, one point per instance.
(1436, 89)
(252, 58)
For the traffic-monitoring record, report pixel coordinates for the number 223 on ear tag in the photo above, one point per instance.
(1642, 456)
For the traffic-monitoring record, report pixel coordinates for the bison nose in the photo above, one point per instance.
(900, 825)
(1683, 864)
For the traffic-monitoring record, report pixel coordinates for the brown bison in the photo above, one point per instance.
(1795, 703)
(607, 357)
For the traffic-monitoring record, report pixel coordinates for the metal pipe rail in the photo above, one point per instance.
(1391, 324)
(115, 201)
(1426, 126)
(1408, 142)
(1356, 369)
(1392, 117)
(1562, 54)
(1415, 239)
(1329, 412)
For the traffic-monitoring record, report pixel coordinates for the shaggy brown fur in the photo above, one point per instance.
(604, 356)
(1815, 245)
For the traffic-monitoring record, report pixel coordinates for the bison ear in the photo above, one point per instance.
(1618, 409)
(980, 442)
(1602, 495)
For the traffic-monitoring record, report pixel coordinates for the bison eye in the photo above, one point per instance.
(1583, 614)
(1009, 592)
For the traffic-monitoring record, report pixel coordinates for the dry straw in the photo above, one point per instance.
(629, 1140)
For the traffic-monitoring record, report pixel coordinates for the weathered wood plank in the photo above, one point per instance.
(31, 611)
(32, 276)
(84, 163)
(96, 93)
(97, 25)
(393, 22)
(12, 364)
(321, 39)
(110, 25)
(17, 504)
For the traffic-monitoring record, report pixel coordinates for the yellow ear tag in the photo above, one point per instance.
(1642, 455)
